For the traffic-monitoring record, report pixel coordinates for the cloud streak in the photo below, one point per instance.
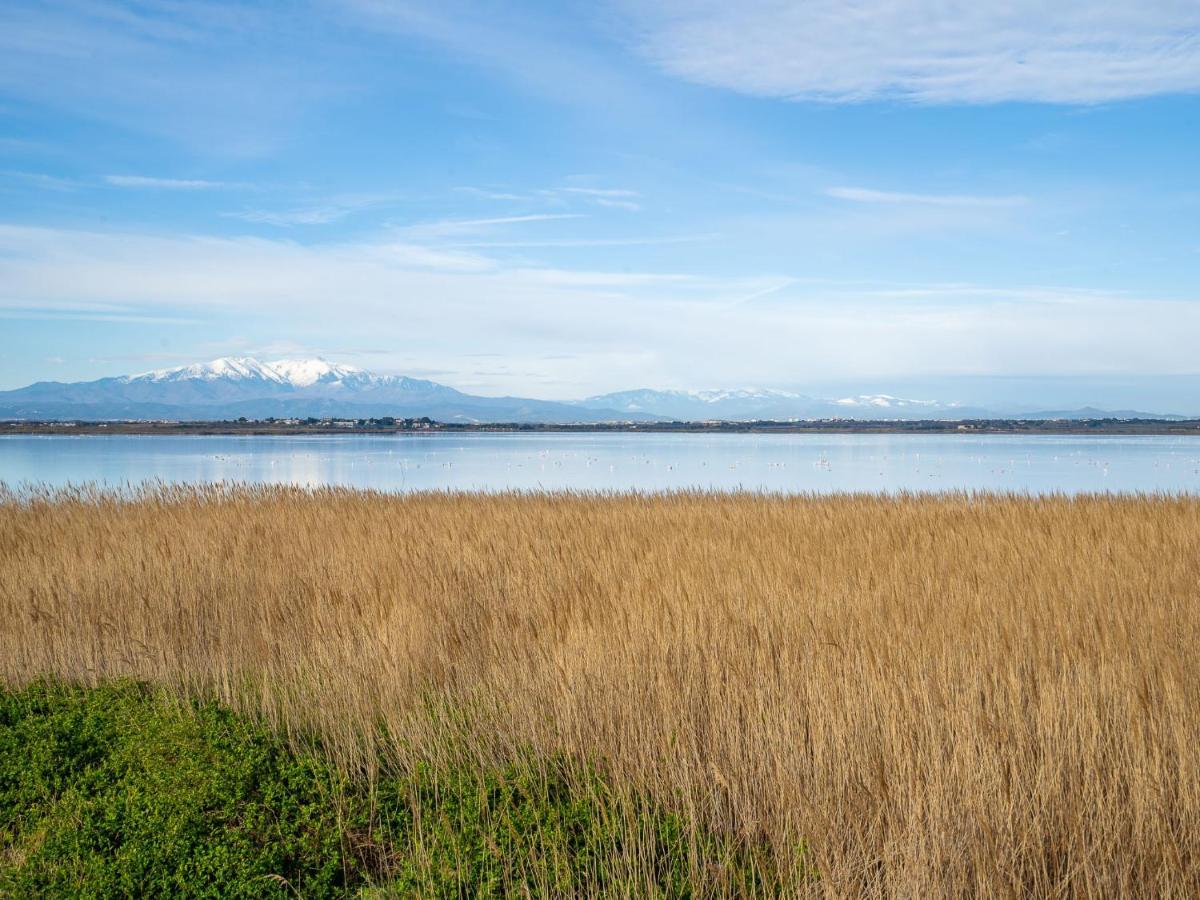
(964, 51)
(43, 181)
(456, 227)
(867, 195)
(147, 182)
(314, 215)
(612, 198)
(331, 210)
(607, 193)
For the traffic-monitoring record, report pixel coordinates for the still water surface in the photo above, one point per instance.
(652, 462)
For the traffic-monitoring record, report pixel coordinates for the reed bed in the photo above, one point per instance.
(936, 695)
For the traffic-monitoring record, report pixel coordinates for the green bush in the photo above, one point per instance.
(122, 791)
(118, 792)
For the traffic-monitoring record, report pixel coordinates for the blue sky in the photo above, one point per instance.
(560, 199)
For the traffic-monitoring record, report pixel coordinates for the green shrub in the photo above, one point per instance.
(118, 792)
(123, 791)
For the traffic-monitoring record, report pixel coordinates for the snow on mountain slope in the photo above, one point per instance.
(886, 401)
(759, 403)
(751, 394)
(696, 404)
(707, 405)
(306, 372)
(233, 368)
(298, 373)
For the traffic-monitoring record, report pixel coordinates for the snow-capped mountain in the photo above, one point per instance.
(750, 404)
(299, 373)
(244, 369)
(307, 372)
(753, 403)
(234, 387)
(741, 403)
(295, 373)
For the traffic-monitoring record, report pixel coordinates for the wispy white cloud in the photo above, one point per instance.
(584, 278)
(565, 197)
(867, 195)
(452, 227)
(547, 55)
(84, 316)
(986, 51)
(593, 242)
(607, 193)
(41, 180)
(168, 184)
(406, 255)
(490, 194)
(330, 210)
(772, 287)
(613, 198)
(22, 144)
(504, 220)
(313, 215)
(629, 205)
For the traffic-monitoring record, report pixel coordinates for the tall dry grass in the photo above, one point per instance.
(936, 695)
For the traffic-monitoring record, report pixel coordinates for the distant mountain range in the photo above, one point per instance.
(742, 405)
(230, 388)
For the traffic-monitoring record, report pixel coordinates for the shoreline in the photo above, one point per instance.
(1100, 427)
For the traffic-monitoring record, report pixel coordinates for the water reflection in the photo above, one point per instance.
(486, 462)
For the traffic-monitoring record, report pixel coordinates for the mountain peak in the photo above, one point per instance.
(296, 372)
(226, 367)
(307, 372)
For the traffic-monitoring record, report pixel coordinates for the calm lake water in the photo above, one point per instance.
(489, 462)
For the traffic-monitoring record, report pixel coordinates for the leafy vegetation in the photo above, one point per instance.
(119, 792)
(122, 790)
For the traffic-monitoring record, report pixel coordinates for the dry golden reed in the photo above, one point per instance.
(944, 695)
